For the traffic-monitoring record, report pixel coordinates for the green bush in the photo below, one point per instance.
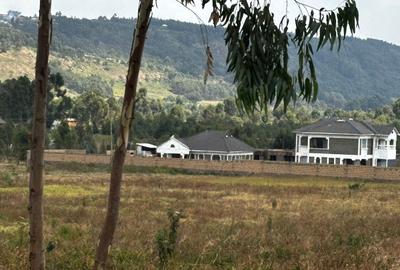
(166, 239)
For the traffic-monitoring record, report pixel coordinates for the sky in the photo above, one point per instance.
(378, 19)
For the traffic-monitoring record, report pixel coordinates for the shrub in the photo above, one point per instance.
(166, 239)
(354, 187)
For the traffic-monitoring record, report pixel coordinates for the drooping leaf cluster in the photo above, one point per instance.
(258, 49)
(329, 26)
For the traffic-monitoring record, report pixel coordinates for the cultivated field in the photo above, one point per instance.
(233, 222)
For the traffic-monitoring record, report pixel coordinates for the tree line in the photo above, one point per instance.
(155, 120)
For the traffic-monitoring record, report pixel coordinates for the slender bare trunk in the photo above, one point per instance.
(128, 109)
(36, 256)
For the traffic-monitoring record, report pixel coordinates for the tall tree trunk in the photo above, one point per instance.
(127, 113)
(36, 255)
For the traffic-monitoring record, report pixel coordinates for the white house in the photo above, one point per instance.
(173, 148)
(207, 145)
(338, 141)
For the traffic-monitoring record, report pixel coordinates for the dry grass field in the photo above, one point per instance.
(230, 222)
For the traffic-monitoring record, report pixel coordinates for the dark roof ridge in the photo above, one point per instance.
(216, 140)
(350, 121)
(384, 129)
(323, 121)
(370, 126)
(344, 126)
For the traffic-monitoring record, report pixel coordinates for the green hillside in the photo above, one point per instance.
(92, 54)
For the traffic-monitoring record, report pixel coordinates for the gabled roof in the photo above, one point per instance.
(384, 129)
(213, 140)
(2, 122)
(174, 140)
(349, 126)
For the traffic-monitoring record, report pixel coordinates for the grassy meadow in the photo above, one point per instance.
(230, 222)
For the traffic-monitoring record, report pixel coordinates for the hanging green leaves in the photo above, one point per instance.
(209, 65)
(258, 49)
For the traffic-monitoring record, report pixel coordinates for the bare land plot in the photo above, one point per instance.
(231, 222)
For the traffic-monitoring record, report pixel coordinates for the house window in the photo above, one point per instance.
(391, 144)
(320, 143)
(304, 141)
(172, 146)
(364, 143)
(382, 144)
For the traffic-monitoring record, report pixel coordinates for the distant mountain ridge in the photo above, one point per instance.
(365, 73)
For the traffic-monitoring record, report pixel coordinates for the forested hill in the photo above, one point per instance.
(93, 54)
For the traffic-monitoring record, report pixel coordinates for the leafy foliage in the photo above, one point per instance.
(258, 50)
(166, 240)
(16, 98)
(157, 120)
(11, 38)
(65, 137)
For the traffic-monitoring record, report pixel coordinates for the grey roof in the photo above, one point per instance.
(2, 122)
(213, 140)
(384, 129)
(349, 126)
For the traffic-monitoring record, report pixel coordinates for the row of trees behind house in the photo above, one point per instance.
(156, 120)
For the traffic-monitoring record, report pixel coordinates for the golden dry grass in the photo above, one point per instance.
(230, 222)
(19, 62)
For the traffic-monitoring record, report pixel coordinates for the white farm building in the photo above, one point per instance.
(207, 145)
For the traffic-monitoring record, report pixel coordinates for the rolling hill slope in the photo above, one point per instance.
(92, 54)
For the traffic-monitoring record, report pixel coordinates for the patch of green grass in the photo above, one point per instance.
(67, 191)
(219, 177)
(75, 167)
(97, 168)
(127, 259)
(156, 89)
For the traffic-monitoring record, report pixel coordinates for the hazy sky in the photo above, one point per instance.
(377, 18)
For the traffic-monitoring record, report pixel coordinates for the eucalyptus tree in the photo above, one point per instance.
(258, 58)
(36, 255)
